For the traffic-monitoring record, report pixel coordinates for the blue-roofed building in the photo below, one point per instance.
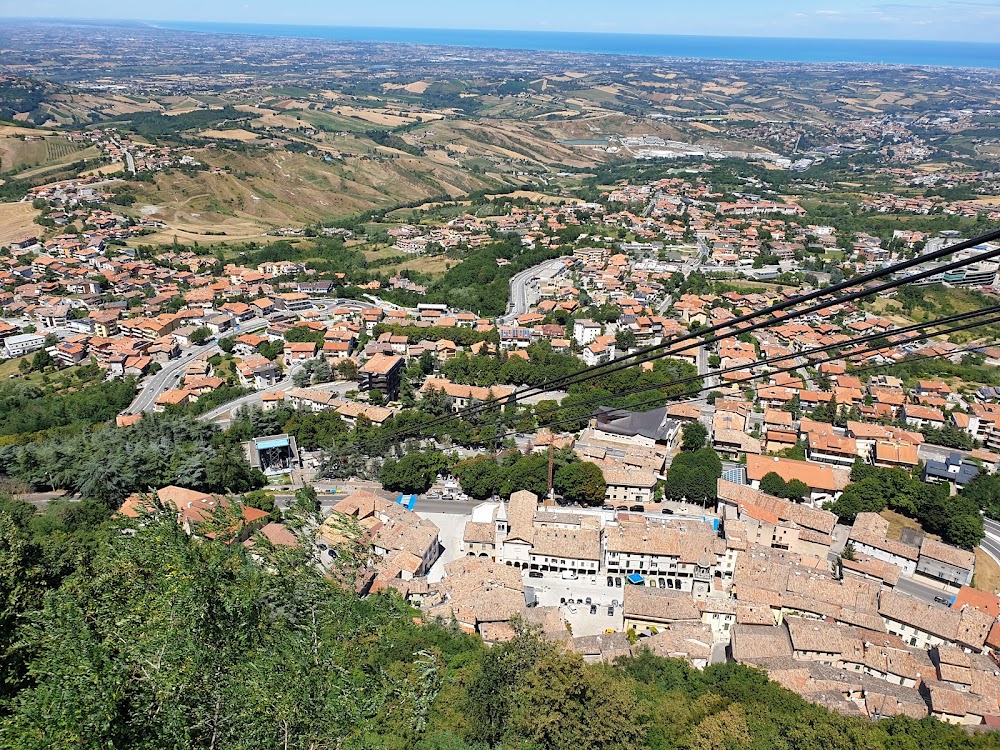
(988, 393)
(955, 469)
(274, 454)
(736, 475)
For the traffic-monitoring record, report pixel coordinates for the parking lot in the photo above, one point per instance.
(551, 590)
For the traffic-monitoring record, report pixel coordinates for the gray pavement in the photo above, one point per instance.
(452, 528)
(524, 287)
(551, 587)
(923, 591)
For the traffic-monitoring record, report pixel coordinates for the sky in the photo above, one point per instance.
(952, 20)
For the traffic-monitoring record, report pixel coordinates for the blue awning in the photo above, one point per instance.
(407, 501)
(635, 578)
(280, 443)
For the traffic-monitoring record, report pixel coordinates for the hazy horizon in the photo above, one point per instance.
(915, 20)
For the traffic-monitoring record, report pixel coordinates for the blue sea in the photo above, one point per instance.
(771, 49)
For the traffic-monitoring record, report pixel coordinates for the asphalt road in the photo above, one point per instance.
(927, 452)
(991, 542)
(991, 546)
(921, 591)
(170, 374)
(219, 413)
(522, 292)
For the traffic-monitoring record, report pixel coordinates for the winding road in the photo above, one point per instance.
(524, 287)
(171, 373)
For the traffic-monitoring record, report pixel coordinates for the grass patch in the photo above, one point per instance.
(987, 575)
(9, 367)
(898, 522)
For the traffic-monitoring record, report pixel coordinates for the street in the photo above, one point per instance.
(168, 377)
(524, 287)
(991, 542)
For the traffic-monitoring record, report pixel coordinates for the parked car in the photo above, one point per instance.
(593, 580)
(611, 580)
(593, 609)
(569, 575)
(614, 602)
(611, 611)
(943, 600)
(534, 574)
(607, 506)
(562, 600)
(572, 608)
(588, 600)
(621, 507)
(667, 512)
(636, 508)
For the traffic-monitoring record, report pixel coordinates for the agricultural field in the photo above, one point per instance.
(17, 152)
(52, 167)
(17, 222)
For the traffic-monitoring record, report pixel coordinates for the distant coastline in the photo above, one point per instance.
(744, 49)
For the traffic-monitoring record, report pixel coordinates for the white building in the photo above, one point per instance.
(24, 343)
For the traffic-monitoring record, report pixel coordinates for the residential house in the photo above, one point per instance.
(382, 373)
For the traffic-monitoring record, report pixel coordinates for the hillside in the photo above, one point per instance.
(152, 639)
(251, 193)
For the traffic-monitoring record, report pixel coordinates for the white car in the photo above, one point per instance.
(572, 608)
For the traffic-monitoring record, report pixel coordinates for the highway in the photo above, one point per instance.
(524, 287)
(991, 542)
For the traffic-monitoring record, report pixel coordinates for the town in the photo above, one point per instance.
(577, 358)
(776, 557)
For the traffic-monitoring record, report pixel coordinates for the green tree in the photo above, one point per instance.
(41, 360)
(229, 471)
(562, 705)
(264, 501)
(693, 436)
(529, 473)
(493, 687)
(200, 335)
(773, 484)
(694, 476)
(581, 482)
(984, 492)
(321, 371)
(347, 369)
(413, 473)
(796, 490)
(625, 339)
(307, 500)
(480, 477)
